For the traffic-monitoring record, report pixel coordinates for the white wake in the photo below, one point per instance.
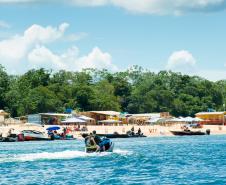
(57, 155)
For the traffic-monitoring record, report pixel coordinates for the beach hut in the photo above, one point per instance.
(89, 121)
(212, 118)
(102, 115)
(3, 115)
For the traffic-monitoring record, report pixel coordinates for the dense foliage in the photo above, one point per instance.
(135, 91)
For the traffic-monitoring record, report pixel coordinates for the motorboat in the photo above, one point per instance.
(10, 138)
(190, 133)
(106, 145)
(33, 135)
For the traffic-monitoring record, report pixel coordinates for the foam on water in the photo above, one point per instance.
(57, 155)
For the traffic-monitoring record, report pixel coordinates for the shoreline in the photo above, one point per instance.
(149, 131)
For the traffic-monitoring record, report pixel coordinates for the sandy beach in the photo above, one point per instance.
(149, 131)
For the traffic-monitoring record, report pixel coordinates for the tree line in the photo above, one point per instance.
(135, 91)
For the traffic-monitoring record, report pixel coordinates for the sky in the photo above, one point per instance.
(186, 36)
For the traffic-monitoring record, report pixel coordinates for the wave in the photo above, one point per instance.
(57, 155)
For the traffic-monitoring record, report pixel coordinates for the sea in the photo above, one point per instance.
(158, 160)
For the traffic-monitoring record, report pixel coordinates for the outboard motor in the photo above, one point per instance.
(208, 131)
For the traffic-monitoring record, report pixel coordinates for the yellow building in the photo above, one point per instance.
(212, 118)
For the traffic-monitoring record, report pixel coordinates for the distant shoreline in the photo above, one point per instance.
(149, 131)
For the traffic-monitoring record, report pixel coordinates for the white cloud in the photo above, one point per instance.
(170, 6)
(97, 59)
(69, 60)
(159, 7)
(181, 61)
(4, 24)
(184, 62)
(16, 47)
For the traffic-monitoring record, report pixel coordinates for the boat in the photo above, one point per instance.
(190, 133)
(10, 138)
(33, 135)
(107, 146)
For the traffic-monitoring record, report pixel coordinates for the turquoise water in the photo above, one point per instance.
(166, 160)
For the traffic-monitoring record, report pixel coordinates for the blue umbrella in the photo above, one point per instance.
(53, 128)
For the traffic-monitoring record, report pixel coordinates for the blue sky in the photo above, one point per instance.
(184, 36)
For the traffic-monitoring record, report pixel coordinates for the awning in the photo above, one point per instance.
(110, 121)
(73, 120)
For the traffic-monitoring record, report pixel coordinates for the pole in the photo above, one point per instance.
(223, 114)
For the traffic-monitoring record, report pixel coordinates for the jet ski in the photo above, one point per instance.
(106, 145)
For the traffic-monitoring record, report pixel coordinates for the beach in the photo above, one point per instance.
(149, 131)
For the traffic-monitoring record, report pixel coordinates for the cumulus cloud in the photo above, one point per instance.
(160, 7)
(181, 61)
(29, 50)
(184, 62)
(16, 47)
(70, 59)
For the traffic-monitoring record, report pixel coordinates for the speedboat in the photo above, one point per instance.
(33, 135)
(106, 146)
(190, 133)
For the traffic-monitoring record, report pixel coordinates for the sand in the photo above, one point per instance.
(150, 131)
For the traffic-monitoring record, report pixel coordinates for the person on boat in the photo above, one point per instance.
(91, 143)
(132, 131)
(139, 132)
(97, 139)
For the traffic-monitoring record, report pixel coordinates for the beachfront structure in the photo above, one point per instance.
(3, 115)
(47, 118)
(141, 119)
(101, 115)
(212, 118)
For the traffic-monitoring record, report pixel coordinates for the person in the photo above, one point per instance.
(139, 132)
(132, 131)
(91, 143)
(97, 139)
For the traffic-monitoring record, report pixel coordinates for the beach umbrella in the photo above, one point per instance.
(53, 128)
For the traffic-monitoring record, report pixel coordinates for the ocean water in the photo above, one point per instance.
(164, 160)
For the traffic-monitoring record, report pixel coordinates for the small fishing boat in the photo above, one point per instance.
(190, 133)
(107, 146)
(33, 135)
